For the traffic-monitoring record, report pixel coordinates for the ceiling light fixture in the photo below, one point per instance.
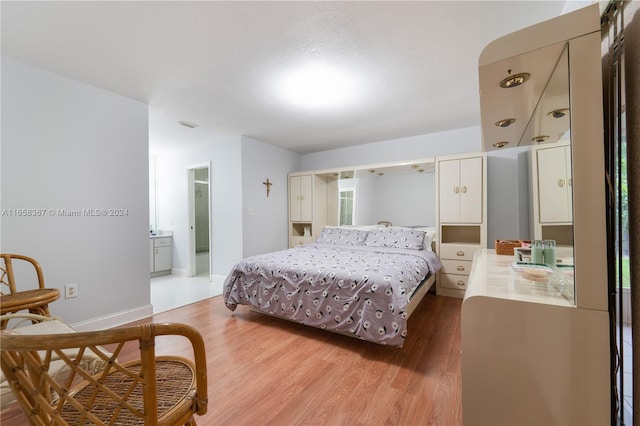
(558, 113)
(515, 80)
(540, 138)
(500, 144)
(318, 86)
(505, 123)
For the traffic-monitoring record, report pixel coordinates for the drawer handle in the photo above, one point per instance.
(460, 253)
(460, 268)
(460, 283)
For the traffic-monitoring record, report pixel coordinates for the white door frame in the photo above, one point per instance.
(191, 252)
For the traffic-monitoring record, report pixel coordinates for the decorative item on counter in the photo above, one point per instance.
(506, 247)
(550, 252)
(522, 254)
(537, 251)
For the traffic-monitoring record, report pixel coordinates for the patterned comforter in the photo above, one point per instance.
(358, 290)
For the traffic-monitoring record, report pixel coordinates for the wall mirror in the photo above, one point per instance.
(525, 102)
(400, 193)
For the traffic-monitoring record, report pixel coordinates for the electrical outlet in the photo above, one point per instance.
(70, 291)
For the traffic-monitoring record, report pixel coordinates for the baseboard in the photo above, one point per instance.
(115, 319)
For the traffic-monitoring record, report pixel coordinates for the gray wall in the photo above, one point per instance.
(67, 145)
(265, 219)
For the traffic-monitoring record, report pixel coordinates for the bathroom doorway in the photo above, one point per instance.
(199, 259)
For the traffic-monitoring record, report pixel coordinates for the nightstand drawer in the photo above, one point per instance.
(458, 251)
(298, 241)
(453, 281)
(459, 267)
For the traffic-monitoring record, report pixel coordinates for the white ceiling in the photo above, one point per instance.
(216, 63)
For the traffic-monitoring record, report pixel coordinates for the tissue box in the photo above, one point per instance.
(505, 247)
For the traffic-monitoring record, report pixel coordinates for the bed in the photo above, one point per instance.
(364, 283)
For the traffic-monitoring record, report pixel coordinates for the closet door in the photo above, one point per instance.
(306, 198)
(471, 190)
(294, 198)
(301, 198)
(449, 190)
(554, 185)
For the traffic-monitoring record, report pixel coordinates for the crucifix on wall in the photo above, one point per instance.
(268, 185)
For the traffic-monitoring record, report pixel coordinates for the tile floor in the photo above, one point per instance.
(172, 291)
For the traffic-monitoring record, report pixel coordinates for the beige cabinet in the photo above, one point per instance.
(460, 190)
(553, 166)
(551, 186)
(307, 207)
(461, 217)
(301, 198)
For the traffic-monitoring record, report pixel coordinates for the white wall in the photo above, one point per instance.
(264, 219)
(226, 200)
(427, 145)
(67, 145)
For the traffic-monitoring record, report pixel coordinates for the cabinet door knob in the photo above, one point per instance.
(570, 181)
(560, 183)
(463, 189)
(460, 268)
(456, 189)
(460, 253)
(460, 283)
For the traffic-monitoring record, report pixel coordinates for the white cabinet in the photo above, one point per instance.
(160, 255)
(461, 190)
(301, 198)
(461, 217)
(551, 186)
(553, 166)
(308, 206)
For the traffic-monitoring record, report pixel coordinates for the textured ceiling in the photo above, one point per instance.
(414, 64)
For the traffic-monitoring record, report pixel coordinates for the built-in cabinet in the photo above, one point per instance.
(160, 255)
(460, 190)
(461, 215)
(307, 207)
(552, 201)
(537, 351)
(301, 198)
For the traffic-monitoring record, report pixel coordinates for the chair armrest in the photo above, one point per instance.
(144, 333)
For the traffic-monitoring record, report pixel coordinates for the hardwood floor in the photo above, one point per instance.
(267, 371)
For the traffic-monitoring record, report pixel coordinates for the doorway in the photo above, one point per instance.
(199, 188)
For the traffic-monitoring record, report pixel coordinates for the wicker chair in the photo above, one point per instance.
(35, 300)
(154, 390)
